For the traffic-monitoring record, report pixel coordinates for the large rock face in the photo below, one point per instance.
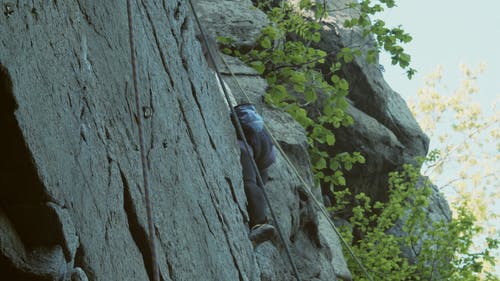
(385, 131)
(314, 243)
(70, 136)
(72, 202)
(71, 196)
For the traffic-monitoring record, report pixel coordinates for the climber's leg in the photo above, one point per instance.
(256, 201)
(257, 208)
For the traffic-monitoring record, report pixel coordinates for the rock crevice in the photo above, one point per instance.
(71, 200)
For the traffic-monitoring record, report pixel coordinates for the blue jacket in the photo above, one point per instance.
(262, 146)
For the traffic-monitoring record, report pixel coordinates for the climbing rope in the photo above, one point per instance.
(306, 186)
(145, 176)
(239, 129)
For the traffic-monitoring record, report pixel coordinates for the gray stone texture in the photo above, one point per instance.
(72, 201)
(319, 257)
(70, 115)
(236, 19)
(385, 131)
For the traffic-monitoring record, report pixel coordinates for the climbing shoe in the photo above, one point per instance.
(261, 233)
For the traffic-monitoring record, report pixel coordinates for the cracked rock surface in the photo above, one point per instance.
(72, 201)
(71, 197)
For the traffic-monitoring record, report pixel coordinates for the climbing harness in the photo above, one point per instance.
(145, 175)
(246, 145)
(305, 186)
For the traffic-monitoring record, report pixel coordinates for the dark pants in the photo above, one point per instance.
(257, 208)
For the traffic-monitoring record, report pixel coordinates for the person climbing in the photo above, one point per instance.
(260, 149)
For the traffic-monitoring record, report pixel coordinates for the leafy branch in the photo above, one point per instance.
(315, 100)
(318, 102)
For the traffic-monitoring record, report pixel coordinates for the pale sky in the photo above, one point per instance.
(447, 32)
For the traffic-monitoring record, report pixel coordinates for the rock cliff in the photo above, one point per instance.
(71, 197)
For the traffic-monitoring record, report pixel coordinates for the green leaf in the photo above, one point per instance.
(310, 95)
(339, 178)
(343, 85)
(334, 165)
(300, 88)
(335, 79)
(320, 164)
(330, 139)
(361, 159)
(348, 166)
(281, 89)
(265, 43)
(342, 103)
(316, 37)
(258, 66)
(298, 77)
(371, 57)
(225, 40)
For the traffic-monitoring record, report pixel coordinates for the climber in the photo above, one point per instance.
(260, 148)
(263, 152)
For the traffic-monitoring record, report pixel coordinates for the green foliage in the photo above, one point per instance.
(315, 100)
(442, 248)
(387, 39)
(464, 137)
(318, 102)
